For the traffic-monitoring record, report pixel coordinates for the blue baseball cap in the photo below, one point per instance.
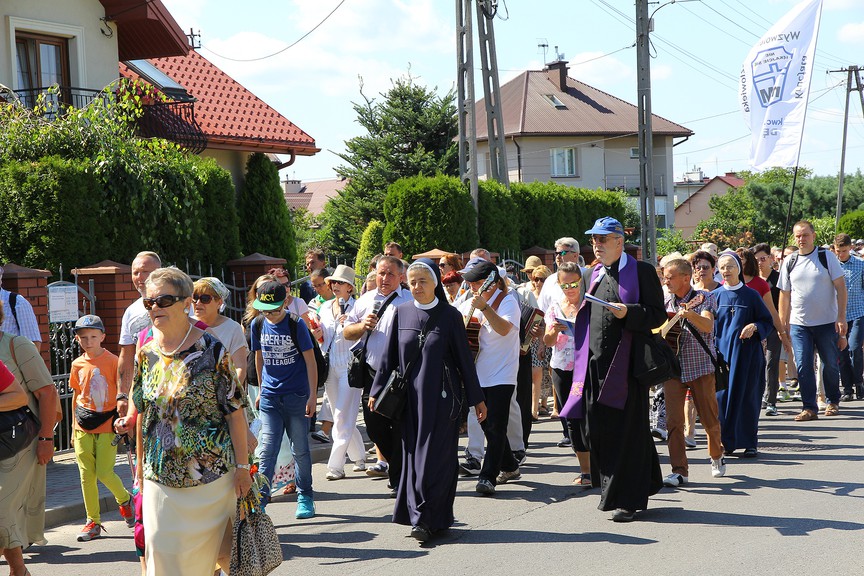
(606, 225)
(89, 321)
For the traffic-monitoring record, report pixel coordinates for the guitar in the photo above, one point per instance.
(672, 328)
(472, 325)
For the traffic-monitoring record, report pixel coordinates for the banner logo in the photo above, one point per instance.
(770, 68)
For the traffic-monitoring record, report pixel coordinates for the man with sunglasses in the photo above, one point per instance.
(566, 250)
(624, 461)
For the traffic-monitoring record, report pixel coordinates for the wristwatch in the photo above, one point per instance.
(244, 466)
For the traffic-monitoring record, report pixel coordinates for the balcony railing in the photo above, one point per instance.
(174, 121)
(629, 183)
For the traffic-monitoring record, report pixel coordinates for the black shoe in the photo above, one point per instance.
(519, 456)
(622, 515)
(421, 533)
(728, 452)
(846, 398)
(750, 453)
(485, 487)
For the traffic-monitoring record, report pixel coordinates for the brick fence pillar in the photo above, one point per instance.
(547, 256)
(114, 293)
(245, 270)
(32, 284)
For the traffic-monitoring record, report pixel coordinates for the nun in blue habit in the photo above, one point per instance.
(430, 423)
(741, 323)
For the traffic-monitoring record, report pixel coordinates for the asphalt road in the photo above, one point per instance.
(797, 509)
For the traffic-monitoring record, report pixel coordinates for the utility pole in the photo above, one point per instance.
(850, 71)
(486, 10)
(646, 134)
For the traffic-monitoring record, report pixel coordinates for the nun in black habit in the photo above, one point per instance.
(430, 422)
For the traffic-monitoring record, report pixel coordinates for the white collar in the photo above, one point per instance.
(622, 262)
(733, 288)
(426, 306)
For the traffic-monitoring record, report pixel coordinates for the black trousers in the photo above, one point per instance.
(524, 395)
(385, 433)
(562, 380)
(499, 455)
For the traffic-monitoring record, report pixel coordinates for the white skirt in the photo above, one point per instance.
(184, 527)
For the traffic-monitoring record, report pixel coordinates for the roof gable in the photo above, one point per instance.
(230, 115)
(586, 111)
(145, 29)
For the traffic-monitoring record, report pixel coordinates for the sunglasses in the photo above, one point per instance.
(702, 267)
(563, 253)
(162, 301)
(203, 298)
(538, 279)
(569, 285)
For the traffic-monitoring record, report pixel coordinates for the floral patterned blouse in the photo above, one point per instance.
(183, 400)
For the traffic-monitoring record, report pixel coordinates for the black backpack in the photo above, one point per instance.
(322, 363)
(793, 259)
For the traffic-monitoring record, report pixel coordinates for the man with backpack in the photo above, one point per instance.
(20, 319)
(852, 358)
(813, 310)
(288, 380)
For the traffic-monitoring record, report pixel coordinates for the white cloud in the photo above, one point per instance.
(852, 33)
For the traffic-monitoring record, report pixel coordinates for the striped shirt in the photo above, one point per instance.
(26, 324)
(694, 361)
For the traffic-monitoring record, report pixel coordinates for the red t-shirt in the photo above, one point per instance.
(759, 285)
(6, 377)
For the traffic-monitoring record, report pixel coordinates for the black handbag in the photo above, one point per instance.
(652, 360)
(18, 429)
(721, 367)
(390, 403)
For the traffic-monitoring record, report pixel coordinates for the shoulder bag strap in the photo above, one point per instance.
(699, 339)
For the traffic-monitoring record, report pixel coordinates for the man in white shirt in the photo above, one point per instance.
(19, 320)
(566, 250)
(368, 323)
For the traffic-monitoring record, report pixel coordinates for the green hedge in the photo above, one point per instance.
(852, 223)
(429, 212)
(499, 216)
(371, 243)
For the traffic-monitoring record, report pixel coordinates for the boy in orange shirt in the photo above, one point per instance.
(93, 380)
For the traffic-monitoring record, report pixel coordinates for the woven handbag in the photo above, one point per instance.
(255, 550)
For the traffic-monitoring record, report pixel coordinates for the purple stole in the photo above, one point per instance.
(613, 393)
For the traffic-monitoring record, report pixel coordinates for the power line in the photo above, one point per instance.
(283, 49)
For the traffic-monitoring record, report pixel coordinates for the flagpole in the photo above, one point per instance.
(785, 236)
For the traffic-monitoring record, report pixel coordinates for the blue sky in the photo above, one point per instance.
(700, 46)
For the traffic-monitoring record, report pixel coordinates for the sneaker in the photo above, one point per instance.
(359, 466)
(623, 515)
(470, 467)
(127, 513)
(321, 436)
(564, 443)
(675, 480)
(771, 410)
(690, 443)
(718, 467)
(91, 531)
(846, 397)
(485, 487)
(378, 470)
(505, 477)
(520, 456)
(659, 434)
(335, 475)
(305, 507)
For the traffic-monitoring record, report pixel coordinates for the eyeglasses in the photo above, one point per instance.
(203, 298)
(272, 312)
(563, 253)
(162, 301)
(569, 285)
(538, 279)
(600, 239)
(702, 267)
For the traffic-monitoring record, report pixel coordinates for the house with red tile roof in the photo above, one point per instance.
(312, 196)
(233, 121)
(694, 209)
(559, 129)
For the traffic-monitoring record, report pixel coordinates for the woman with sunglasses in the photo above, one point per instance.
(209, 297)
(344, 400)
(191, 433)
(450, 264)
(703, 270)
(560, 321)
(539, 351)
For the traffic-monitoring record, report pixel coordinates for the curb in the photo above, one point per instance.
(70, 512)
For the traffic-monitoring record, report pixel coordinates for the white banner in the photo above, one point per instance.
(775, 85)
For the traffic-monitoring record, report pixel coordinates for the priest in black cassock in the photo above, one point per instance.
(624, 462)
(430, 422)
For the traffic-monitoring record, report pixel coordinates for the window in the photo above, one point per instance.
(42, 61)
(555, 102)
(634, 152)
(563, 162)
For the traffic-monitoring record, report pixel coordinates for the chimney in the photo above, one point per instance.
(731, 175)
(557, 73)
(292, 186)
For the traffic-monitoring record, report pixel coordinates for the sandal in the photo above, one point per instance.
(290, 489)
(807, 415)
(583, 480)
(832, 410)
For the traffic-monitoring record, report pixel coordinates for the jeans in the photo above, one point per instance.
(852, 358)
(285, 413)
(823, 339)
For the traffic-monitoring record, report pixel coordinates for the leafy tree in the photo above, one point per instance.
(371, 243)
(411, 131)
(732, 222)
(669, 241)
(267, 226)
(852, 223)
(423, 213)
